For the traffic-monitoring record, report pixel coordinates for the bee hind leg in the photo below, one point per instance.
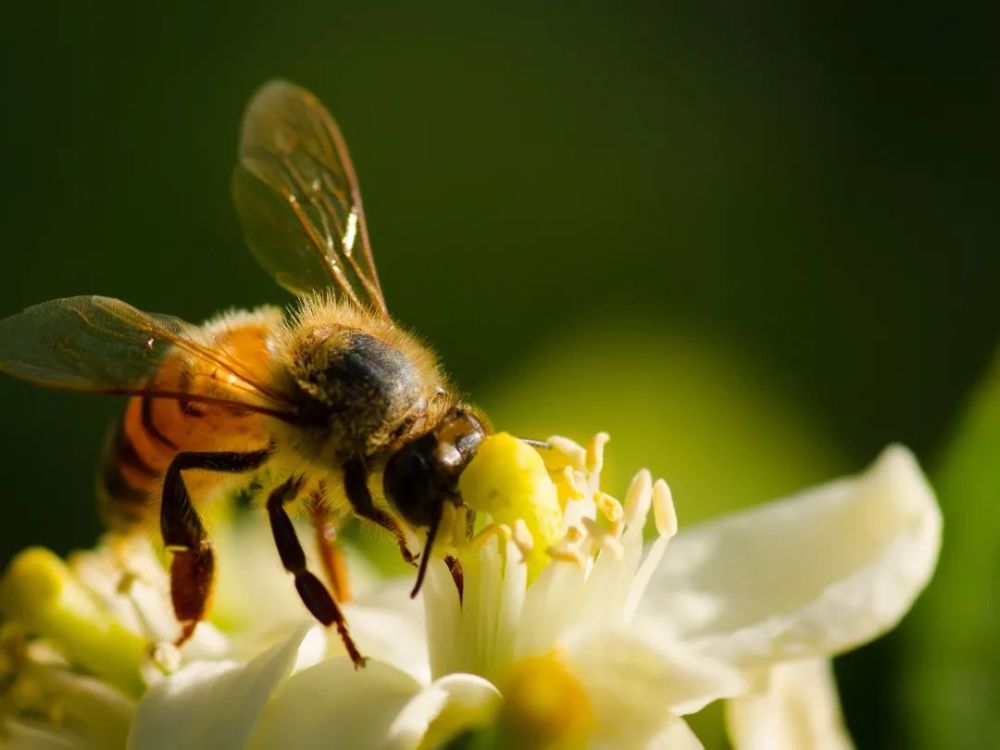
(192, 570)
(314, 595)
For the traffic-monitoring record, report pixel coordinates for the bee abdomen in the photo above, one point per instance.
(126, 480)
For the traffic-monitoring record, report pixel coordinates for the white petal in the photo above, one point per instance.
(443, 710)
(334, 705)
(443, 613)
(386, 623)
(212, 705)
(551, 605)
(809, 576)
(677, 736)
(793, 706)
(637, 686)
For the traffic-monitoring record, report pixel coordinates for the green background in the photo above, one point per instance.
(756, 244)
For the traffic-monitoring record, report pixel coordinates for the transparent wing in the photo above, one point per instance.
(102, 345)
(298, 199)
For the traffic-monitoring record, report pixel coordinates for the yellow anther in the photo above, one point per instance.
(564, 452)
(609, 507)
(595, 452)
(638, 497)
(499, 531)
(602, 539)
(576, 481)
(568, 553)
(664, 513)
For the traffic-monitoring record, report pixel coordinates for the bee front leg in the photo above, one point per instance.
(312, 591)
(360, 497)
(192, 570)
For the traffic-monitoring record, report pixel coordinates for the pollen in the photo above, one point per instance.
(509, 481)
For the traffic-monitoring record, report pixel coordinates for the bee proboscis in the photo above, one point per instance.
(318, 403)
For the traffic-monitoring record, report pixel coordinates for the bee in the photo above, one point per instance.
(316, 405)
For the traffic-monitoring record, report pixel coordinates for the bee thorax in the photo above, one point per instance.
(360, 386)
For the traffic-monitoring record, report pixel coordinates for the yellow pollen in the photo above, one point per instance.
(545, 707)
(508, 480)
(611, 508)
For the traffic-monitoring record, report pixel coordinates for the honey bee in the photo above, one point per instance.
(316, 405)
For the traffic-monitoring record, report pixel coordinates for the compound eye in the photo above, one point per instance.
(408, 483)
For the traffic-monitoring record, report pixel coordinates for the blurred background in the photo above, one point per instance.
(754, 244)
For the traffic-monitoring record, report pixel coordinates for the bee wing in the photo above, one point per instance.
(298, 199)
(102, 345)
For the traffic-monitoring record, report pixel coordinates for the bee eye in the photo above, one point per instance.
(409, 483)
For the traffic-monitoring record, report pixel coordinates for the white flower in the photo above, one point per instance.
(568, 631)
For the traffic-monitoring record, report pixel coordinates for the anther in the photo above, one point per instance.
(664, 513)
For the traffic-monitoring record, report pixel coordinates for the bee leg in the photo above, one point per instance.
(314, 594)
(192, 570)
(360, 497)
(330, 553)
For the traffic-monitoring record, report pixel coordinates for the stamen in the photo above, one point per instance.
(523, 539)
(568, 550)
(577, 481)
(664, 513)
(564, 452)
(595, 452)
(603, 539)
(638, 498)
(566, 553)
(499, 530)
(611, 508)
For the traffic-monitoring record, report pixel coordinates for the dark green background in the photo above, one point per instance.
(813, 183)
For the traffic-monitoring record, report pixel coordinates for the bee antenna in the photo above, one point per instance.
(425, 558)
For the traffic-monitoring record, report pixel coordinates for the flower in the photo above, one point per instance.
(560, 627)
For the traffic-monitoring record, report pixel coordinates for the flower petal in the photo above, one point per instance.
(793, 706)
(443, 710)
(386, 623)
(333, 705)
(212, 705)
(812, 575)
(677, 736)
(637, 685)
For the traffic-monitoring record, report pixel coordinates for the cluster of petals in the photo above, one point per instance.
(627, 627)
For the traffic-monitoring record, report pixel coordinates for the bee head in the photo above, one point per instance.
(421, 476)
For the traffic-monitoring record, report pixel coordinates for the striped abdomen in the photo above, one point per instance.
(153, 430)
